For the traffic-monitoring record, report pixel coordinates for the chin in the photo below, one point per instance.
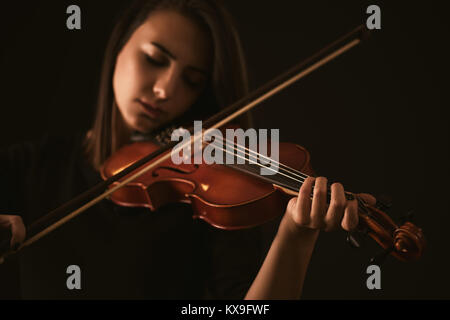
(144, 130)
(144, 126)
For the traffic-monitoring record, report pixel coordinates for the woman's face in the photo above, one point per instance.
(161, 70)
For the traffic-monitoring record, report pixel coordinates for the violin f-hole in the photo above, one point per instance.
(178, 169)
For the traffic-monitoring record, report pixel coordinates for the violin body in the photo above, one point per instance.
(224, 197)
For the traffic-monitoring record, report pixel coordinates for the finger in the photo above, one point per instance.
(303, 205)
(319, 203)
(351, 219)
(337, 206)
(368, 198)
(17, 230)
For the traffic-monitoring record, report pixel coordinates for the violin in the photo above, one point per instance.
(142, 175)
(232, 199)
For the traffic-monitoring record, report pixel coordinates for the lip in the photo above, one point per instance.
(153, 112)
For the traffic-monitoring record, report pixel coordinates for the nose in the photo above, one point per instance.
(165, 85)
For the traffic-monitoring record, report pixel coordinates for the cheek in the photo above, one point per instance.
(184, 101)
(126, 79)
(119, 85)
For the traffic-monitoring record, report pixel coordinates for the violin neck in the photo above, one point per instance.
(289, 182)
(281, 179)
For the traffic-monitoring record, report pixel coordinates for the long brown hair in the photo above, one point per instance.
(227, 84)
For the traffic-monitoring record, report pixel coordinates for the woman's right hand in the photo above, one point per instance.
(14, 224)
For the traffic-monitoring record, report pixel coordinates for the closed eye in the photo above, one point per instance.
(153, 61)
(194, 83)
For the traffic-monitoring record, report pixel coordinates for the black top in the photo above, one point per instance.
(126, 253)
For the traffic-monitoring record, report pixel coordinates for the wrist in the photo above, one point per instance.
(288, 228)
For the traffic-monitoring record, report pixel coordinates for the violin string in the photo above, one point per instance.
(234, 145)
(287, 168)
(289, 177)
(228, 142)
(285, 173)
(258, 164)
(254, 162)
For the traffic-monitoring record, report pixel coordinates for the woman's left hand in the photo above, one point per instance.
(305, 213)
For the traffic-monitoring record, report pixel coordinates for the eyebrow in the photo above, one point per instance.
(164, 49)
(170, 54)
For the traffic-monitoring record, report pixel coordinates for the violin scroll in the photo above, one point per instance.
(409, 242)
(405, 243)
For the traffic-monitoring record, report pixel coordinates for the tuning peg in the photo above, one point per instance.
(381, 257)
(356, 239)
(352, 241)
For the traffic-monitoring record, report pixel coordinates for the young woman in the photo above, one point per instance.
(168, 62)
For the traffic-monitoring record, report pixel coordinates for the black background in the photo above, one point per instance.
(373, 119)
